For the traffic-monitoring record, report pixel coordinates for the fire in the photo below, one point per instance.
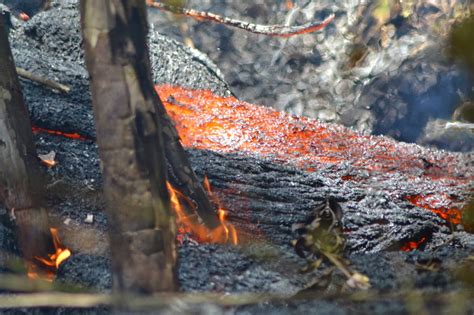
(189, 223)
(229, 229)
(51, 263)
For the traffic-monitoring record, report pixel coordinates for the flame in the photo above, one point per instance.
(229, 229)
(52, 262)
(188, 223)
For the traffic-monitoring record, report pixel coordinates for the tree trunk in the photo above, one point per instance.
(184, 173)
(129, 135)
(21, 184)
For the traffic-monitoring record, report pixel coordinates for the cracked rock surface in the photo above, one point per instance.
(264, 198)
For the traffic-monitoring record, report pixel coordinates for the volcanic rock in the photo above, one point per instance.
(266, 187)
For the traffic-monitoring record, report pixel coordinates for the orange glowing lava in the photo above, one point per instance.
(412, 245)
(224, 124)
(189, 223)
(51, 263)
(439, 204)
(227, 125)
(24, 17)
(74, 135)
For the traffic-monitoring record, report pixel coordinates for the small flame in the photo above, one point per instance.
(189, 222)
(52, 262)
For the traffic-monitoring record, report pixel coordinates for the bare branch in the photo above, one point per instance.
(271, 30)
(87, 300)
(44, 81)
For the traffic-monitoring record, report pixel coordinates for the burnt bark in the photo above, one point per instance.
(21, 181)
(129, 135)
(181, 168)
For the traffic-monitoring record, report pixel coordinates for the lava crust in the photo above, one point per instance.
(269, 170)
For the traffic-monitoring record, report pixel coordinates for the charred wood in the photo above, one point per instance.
(142, 228)
(21, 183)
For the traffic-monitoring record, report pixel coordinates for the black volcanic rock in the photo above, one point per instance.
(264, 199)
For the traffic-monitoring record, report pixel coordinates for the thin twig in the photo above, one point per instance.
(271, 30)
(54, 300)
(47, 82)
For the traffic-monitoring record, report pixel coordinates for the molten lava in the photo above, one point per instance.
(188, 223)
(45, 267)
(227, 125)
(74, 135)
(439, 204)
(412, 245)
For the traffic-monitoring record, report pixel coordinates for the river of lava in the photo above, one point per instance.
(439, 204)
(227, 125)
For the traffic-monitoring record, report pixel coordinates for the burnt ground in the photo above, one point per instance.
(264, 199)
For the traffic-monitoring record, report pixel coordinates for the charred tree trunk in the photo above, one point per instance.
(129, 136)
(182, 170)
(21, 184)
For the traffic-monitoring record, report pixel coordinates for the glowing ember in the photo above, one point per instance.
(75, 136)
(51, 263)
(226, 233)
(23, 16)
(48, 159)
(439, 204)
(412, 245)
